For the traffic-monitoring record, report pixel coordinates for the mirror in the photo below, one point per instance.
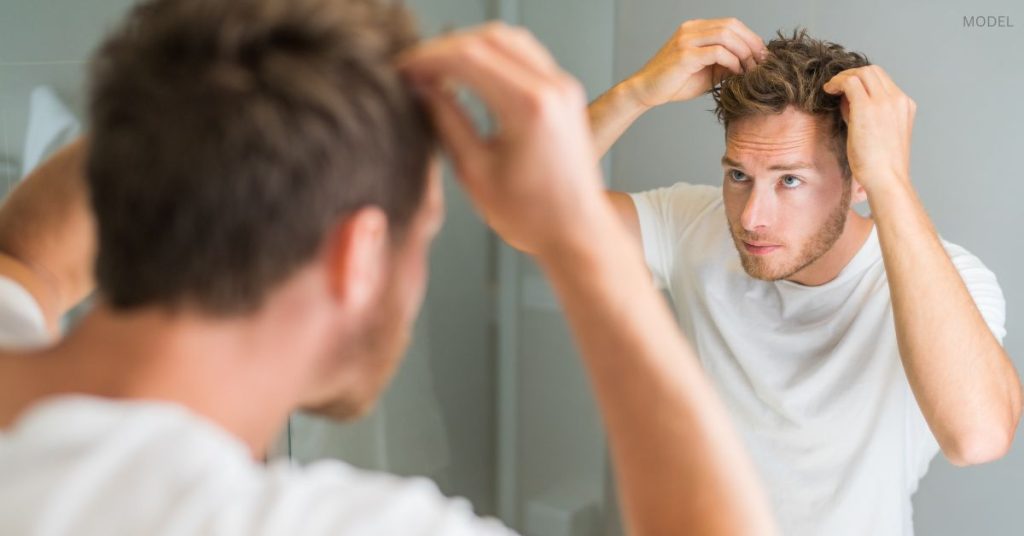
(491, 402)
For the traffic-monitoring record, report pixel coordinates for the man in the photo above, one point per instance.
(849, 349)
(265, 192)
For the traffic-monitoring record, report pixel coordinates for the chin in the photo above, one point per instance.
(343, 410)
(758, 268)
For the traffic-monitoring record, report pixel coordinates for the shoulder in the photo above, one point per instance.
(679, 207)
(329, 497)
(181, 474)
(982, 284)
(682, 195)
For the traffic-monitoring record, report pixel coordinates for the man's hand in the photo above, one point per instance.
(535, 180)
(880, 119)
(699, 55)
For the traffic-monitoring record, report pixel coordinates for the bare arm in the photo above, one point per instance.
(680, 465)
(698, 55)
(47, 233)
(678, 462)
(962, 378)
(611, 115)
(625, 209)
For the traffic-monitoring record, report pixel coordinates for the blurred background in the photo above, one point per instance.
(491, 402)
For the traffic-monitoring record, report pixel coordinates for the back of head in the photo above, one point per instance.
(792, 74)
(228, 137)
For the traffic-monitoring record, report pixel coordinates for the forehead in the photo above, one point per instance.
(790, 134)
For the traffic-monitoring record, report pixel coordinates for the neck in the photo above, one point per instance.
(827, 267)
(245, 374)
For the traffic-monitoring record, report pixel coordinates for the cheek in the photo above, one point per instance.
(807, 211)
(735, 199)
(412, 282)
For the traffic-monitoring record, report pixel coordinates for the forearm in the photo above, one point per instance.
(611, 114)
(962, 378)
(47, 227)
(679, 464)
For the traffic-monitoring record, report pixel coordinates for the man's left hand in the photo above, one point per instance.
(880, 119)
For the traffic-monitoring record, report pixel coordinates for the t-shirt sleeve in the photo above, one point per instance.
(984, 288)
(330, 497)
(665, 214)
(22, 324)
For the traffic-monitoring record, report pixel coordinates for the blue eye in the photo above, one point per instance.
(790, 181)
(737, 175)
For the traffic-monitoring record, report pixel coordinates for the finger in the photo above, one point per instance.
(848, 84)
(459, 138)
(502, 84)
(725, 37)
(837, 84)
(757, 46)
(873, 81)
(718, 55)
(520, 45)
(886, 80)
(454, 125)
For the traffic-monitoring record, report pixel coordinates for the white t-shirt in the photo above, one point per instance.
(22, 324)
(812, 375)
(76, 465)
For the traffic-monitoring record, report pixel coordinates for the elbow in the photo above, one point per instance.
(980, 446)
(989, 439)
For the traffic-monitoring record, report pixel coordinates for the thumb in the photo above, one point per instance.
(455, 128)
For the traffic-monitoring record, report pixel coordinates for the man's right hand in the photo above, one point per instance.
(699, 55)
(536, 179)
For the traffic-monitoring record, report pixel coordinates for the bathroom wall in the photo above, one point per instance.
(44, 43)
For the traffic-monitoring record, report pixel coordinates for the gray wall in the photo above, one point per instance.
(44, 42)
(552, 480)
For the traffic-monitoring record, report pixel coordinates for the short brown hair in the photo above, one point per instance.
(792, 75)
(228, 136)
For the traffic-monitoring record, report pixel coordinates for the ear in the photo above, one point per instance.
(858, 194)
(357, 257)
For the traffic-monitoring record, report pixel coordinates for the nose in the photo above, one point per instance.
(759, 211)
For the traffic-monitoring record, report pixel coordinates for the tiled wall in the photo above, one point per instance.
(44, 42)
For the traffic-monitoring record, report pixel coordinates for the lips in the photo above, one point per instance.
(760, 248)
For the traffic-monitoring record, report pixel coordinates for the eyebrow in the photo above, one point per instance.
(726, 161)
